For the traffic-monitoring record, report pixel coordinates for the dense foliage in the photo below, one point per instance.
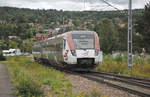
(118, 65)
(143, 28)
(26, 23)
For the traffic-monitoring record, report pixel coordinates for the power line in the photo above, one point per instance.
(110, 5)
(123, 12)
(99, 7)
(106, 2)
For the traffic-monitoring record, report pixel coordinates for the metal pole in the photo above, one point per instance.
(63, 25)
(63, 21)
(130, 35)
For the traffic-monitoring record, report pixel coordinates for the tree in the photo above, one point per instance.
(143, 28)
(13, 44)
(26, 46)
(107, 34)
(121, 38)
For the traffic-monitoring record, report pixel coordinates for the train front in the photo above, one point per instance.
(84, 49)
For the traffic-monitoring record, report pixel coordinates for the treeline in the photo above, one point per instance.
(21, 15)
(111, 26)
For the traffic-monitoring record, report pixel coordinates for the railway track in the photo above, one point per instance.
(137, 86)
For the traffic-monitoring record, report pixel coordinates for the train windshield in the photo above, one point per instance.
(83, 41)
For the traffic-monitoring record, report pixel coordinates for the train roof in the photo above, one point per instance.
(64, 34)
(81, 32)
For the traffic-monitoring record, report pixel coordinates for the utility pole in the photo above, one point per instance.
(63, 21)
(63, 25)
(130, 35)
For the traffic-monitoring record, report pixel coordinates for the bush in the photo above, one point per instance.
(148, 60)
(2, 58)
(25, 86)
(141, 66)
(118, 58)
(30, 78)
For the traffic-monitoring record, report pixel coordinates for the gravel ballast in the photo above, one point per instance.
(81, 84)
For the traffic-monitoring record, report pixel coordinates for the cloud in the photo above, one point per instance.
(74, 5)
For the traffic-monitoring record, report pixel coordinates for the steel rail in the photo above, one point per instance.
(128, 81)
(123, 76)
(103, 80)
(130, 90)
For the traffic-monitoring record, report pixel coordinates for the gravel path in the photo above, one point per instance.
(6, 88)
(81, 84)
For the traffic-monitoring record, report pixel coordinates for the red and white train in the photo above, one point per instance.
(75, 48)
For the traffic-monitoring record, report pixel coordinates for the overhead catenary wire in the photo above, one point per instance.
(108, 4)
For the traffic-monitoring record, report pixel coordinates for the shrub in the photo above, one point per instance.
(148, 59)
(118, 58)
(2, 58)
(25, 86)
(141, 66)
(30, 77)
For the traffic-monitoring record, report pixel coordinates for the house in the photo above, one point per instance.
(122, 25)
(39, 37)
(3, 22)
(50, 32)
(12, 37)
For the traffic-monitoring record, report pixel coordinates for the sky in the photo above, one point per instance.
(73, 5)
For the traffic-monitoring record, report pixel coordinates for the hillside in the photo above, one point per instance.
(26, 23)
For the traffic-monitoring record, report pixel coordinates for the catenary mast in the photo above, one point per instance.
(129, 61)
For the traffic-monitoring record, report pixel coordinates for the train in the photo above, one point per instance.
(77, 49)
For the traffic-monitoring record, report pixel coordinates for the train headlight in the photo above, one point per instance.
(96, 53)
(73, 52)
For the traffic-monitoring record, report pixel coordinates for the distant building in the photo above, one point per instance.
(12, 37)
(50, 32)
(3, 22)
(122, 25)
(57, 29)
(11, 52)
(39, 37)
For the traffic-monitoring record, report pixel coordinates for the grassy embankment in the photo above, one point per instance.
(34, 80)
(118, 65)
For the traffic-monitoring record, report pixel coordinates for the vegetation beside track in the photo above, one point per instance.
(118, 65)
(31, 79)
(34, 80)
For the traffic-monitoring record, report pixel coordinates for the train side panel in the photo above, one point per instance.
(50, 50)
(74, 48)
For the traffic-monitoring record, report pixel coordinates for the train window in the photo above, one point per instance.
(64, 43)
(83, 41)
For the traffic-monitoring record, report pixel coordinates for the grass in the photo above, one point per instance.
(118, 65)
(30, 78)
(34, 80)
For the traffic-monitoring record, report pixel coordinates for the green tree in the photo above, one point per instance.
(121, 38)
(13, 44)
(26, 46)
(107, 34)
(143, 28)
